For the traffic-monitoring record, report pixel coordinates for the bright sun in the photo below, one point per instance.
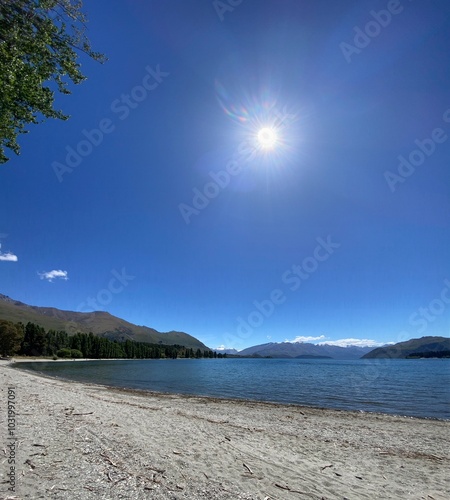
(267, 138)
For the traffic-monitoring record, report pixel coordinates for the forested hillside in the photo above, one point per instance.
(34, 340)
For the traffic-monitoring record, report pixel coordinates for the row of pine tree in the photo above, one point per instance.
(34, 340)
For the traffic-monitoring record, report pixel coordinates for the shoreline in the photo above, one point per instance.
(69, 360)
(149, 392)
(189, 395)
(88, 441)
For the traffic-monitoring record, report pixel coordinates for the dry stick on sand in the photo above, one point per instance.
(104, 455)
(248, 468)
(286, 487)
(161, 471)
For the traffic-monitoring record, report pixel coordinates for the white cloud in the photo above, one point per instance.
(339, 342)
(51, 275)
(8, 256)
(355, 342)
(224, 348)
(306, 339)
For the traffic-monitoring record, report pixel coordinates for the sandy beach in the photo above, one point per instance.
(84, 441)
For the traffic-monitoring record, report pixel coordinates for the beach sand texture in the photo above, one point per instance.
(82, 441)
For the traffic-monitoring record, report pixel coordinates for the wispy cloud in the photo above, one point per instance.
(8, 256)
(355, 342)
(307, 339)
(55, 274)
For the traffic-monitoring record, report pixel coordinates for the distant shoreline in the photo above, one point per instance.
(20, 360)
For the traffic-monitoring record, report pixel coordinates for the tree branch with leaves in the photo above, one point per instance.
(40, 42)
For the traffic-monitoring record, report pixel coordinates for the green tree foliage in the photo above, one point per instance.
(40, 41)
(432, 354)
(11, 336)
(33, 340)
(64, 353)
(55, 341)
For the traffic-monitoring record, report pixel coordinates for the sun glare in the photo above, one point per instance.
(267, 138)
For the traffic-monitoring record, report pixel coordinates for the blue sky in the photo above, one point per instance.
(157, 203)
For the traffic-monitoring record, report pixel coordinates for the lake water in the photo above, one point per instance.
(419, 388)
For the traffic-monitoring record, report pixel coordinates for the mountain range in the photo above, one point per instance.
(304, 350)
(106, 325)
(99, 322)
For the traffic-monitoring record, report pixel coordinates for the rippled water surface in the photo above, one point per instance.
(403, 387)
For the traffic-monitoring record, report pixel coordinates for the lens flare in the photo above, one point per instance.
(267, 138)
(266, 126)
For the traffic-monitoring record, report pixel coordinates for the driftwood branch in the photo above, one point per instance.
(248, 468)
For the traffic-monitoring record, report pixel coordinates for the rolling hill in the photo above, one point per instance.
(400, 350)
(99, 322)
